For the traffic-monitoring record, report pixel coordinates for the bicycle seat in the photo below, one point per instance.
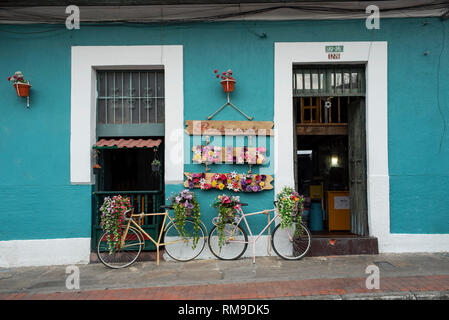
(167, 207)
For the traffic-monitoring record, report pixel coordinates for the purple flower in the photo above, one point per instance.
(191, 184)
(256, 188)
(248, 189)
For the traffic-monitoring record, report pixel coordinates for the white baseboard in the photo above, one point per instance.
(46, 252)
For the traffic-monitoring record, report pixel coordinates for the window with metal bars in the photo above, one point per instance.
(328, 81)
(130, 102)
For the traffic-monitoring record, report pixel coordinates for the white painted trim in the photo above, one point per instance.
(24, 253)
(85, 59)
(374, 55)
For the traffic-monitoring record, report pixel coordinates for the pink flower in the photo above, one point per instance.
(229, 71)
(216, 70)
(218, 76)
(15, 77)
(9, 78)
(224, 73)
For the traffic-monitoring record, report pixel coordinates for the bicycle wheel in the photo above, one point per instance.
(235, 244)
(181, 247)
(288, 247)
(125, 256)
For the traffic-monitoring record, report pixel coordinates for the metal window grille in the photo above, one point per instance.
(329, 81)
(130, 97)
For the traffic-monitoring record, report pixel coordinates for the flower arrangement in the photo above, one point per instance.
(225, 75)
(227, 80)
(112, 216)
(227, 208)
(213, 154)
(207, 154)
(17, 78)
(231, 181)
(253, 182)
(184, 205)
(290, 206)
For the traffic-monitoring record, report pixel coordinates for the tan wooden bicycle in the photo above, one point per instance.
(180, 245)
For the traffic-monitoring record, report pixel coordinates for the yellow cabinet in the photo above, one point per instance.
(338, 210)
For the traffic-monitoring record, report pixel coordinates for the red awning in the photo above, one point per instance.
(126, 143)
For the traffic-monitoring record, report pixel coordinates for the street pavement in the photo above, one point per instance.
(417, 276)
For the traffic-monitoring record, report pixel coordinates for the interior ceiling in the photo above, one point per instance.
(140, 11)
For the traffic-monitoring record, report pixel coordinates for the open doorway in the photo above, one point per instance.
(330, 148)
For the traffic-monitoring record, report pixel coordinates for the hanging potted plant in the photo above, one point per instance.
(112, 216)
(155, 165)
(290, 205)
(22, 87)
(227, 80)
(97, 168)
(186, 206)
(227, 208)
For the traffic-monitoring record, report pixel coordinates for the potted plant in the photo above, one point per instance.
(227, 208)
(97, 168)
(155, 165)
(186, 206)
(112, 216)
(227, 80)
(290, 205)
(22, 87)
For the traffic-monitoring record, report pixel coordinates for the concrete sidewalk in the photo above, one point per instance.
(402, 276)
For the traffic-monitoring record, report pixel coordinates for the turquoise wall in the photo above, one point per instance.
(39, 201)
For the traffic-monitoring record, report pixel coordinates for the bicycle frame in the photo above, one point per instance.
(254, 239)
(143, 233)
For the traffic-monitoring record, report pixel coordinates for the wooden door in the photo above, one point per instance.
(357, 167)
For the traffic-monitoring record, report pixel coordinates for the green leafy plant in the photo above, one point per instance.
(290, 205)
(156, 162)
(185, 205)
(113, 213)
(227, 208)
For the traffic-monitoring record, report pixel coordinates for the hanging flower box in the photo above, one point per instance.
(22, 89)
(227, 81)
(228, 85)
(155, 165)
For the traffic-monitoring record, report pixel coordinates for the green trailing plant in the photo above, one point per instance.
(185, 205)
(113, 212)
(290, 205)
(227, 208)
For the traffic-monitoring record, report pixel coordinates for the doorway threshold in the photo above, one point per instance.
(334, 244)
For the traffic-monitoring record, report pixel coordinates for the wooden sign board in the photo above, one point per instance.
(232, 128)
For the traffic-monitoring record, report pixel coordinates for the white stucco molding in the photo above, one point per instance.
(85, 60)
(45, 252)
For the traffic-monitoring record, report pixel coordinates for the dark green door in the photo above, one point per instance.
(357, 167)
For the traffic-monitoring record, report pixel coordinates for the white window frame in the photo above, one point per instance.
(85, 61)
